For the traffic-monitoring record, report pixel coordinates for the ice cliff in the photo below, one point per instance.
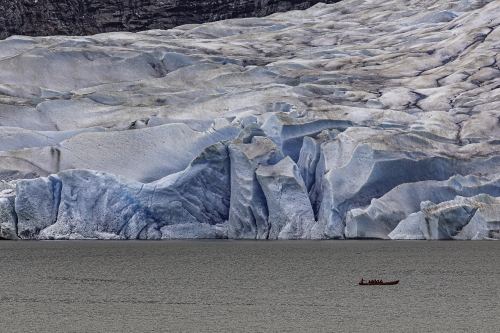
(361, 119)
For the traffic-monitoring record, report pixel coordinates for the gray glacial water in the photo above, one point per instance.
(248, 286)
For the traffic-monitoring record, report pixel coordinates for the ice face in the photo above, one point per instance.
(290, 212)
(323, 123)
(463, 218)
(92, 204)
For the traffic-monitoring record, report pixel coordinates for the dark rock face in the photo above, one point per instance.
(87, 17)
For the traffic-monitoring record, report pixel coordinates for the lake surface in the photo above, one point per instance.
(248, 286)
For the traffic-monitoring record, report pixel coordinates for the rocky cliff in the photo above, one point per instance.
(87, 17)
(376, 121)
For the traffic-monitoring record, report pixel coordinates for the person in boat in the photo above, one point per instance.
(362, 281)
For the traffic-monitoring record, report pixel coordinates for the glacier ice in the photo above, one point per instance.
(385, 213)
(248, 214)
(377, 122)
(290, 211)
(8, 218)
(88, 204)
(463, 218)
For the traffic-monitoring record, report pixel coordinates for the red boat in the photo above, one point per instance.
(367, 283)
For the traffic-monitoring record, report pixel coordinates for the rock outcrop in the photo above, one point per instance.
(373, 119)
(79, 17)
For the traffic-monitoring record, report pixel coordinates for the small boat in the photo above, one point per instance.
(378, 283)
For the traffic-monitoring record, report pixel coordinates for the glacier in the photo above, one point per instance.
(354, 120)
